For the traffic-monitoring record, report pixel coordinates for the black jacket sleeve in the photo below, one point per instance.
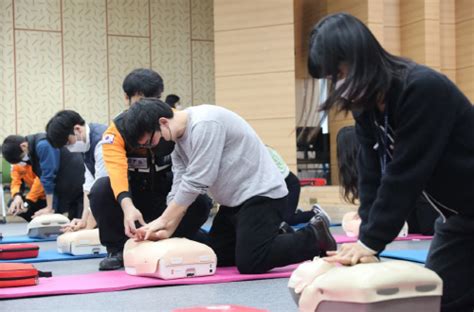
(424, 122)
(368, 165)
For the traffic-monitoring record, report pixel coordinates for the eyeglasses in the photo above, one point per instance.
(149, 143)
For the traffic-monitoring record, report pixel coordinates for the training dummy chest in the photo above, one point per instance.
(390, 286)
(83, 242)
(46, 225)
(169, 258)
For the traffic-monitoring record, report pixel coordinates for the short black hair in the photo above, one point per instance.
(61, 126)
(171, 100)
(343, 39)
(143, 81)
(11, 149)
(142, 117)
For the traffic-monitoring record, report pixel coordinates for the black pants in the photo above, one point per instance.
(290, 215)
(68, 193)
(32, 208)
(247, 236)
(451, 256)
(150, 201)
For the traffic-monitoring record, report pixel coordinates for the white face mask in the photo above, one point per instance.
(78, 147)
(25, 158)
(339, 83)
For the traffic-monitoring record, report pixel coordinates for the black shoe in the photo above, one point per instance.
(324, 239)
(285, 228)
(113, 261)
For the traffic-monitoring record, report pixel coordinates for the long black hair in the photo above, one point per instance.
(347, 150)
(343, 39)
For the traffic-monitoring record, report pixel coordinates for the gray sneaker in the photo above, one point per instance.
(113, 261)
(319, 211)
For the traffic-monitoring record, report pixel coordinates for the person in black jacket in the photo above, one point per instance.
(416, 133)
(422, 218)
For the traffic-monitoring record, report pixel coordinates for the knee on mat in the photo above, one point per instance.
(249, 265)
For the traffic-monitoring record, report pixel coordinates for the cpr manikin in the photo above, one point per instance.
(169, 258)
(351, 224)
(46, 225)
(83, 242)
(390, 286)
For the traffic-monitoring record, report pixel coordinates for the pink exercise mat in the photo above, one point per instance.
(340, 238)
(119, 280)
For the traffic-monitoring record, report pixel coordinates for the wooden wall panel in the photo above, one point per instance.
(203, 72)
(85, 59)
(465, 81)
(38, 15)
(358, 8)
(253, 41)
(464, 10)
(413, 41)
(465, 47)
(279, 133)
(128, 17)
(231, 15)
(270, 95)
(411, 11)
(391, 26)
(255, 51)
(171, 46)
(465, 43)
(125, 54)
(39, 79)
(7, 71)
(448, 38)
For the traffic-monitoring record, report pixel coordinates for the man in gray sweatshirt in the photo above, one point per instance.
(218, 152)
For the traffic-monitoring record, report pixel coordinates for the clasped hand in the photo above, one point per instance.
(351, 254)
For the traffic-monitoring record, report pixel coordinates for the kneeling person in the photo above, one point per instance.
(139, 180)
(218, 152)
(67, 128)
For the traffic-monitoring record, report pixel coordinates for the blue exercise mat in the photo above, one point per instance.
(418, 255)
(53, 255)
(25, 239)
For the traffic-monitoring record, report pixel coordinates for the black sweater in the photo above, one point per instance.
(433, 130)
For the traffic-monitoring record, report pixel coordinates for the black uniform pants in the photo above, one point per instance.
(247, 236)
(290, 215)
(451, 256)
(150, 201)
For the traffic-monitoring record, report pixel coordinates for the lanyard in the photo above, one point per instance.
(385, 142)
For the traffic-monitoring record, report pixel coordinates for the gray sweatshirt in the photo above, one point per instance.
(221, 154)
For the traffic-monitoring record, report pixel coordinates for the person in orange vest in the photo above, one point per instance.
(25, 205)
(139, 180)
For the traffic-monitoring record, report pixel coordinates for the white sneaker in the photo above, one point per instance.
(319, 211)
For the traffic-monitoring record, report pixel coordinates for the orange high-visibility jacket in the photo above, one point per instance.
(25, 174)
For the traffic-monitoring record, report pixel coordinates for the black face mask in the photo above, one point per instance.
(163, 148)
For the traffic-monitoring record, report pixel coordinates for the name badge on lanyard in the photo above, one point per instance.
(137, 163)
